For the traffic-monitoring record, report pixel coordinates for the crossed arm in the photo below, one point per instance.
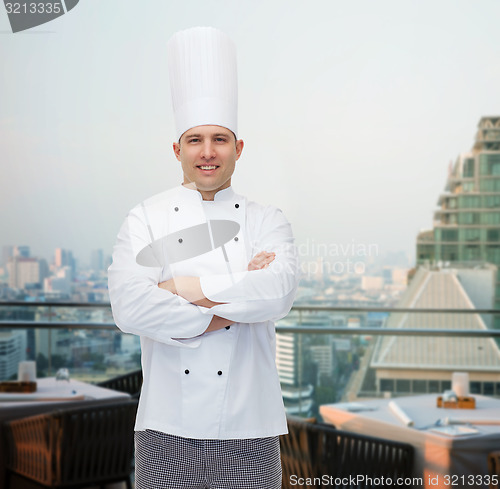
(190, 289)
(142, 306)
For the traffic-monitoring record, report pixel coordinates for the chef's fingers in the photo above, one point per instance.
(267, 260)
(264, 256)
(261, 260)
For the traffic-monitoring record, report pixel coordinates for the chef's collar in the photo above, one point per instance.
(224, 194)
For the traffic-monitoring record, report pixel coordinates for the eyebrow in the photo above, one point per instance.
(212, 135)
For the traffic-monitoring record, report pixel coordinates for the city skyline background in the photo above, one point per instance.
(350, 113)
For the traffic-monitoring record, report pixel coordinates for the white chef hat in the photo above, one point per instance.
(203, 79)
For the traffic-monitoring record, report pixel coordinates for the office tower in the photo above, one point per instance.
(97, 260)
(7, 252)
(296, 391)
(301, 359)
(324, 357)
(21, 251)
(59, 257)
(26, 271)
(59, 284)
(12, 351)
(64, 258)
(467, 224)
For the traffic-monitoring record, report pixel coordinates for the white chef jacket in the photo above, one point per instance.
(218, 385)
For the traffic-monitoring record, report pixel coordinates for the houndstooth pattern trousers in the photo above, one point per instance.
(164, 461)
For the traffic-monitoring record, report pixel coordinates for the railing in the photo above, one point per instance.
(318, 361)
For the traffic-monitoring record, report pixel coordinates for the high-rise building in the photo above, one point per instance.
(301, 359)
(467, 224)
(26, 271)
(12, 351)
(64, 258)
(324, 357)
(7, 252)
(297, 392)
(59, 284)
(22, 251)
(97, 260)
(59, 257)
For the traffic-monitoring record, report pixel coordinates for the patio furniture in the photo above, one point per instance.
(130, 383)
(50, 395)
(443, 450)
(74, 447)
(317, 450)
(494, 467)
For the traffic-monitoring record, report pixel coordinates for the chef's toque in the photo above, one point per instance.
(203, 79)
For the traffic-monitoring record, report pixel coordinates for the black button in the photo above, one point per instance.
(219, 372)
(227, 327)
(180, 240)
(236, 238)
(186, 371)
(237, 206)
(176, 209)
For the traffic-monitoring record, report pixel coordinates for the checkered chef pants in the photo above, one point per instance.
(165, 461)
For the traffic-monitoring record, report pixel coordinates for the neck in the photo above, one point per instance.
(206, 194)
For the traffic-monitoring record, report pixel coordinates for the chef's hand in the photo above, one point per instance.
(189, 288)
(218, 323)
(168, 285)
(261, 260)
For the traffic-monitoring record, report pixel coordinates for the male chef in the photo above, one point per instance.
(200, 273)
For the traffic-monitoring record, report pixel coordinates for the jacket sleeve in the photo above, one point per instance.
(139, 306)
(259, 295)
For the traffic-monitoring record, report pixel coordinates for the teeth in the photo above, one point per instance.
(208, 167)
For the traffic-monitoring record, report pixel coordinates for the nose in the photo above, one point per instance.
(208, 150)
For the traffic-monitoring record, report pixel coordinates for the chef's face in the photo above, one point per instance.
(208, 156)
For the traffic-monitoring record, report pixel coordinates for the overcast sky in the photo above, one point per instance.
(350, 113)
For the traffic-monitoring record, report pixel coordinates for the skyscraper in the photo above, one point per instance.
(60, 257)
(64, 258)
(467, 224)
(12, 351)
(7, 252)
(297, 392)
(22, 251)
(97, 260)
(26, 271)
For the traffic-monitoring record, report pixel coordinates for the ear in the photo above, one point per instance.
(177, 150)
(239, 148)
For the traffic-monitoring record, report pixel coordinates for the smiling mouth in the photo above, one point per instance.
(207, 167)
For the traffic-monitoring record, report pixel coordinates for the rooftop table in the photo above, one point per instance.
(445, 456)
(50, 395)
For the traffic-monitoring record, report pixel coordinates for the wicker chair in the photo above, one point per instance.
(494, 469)
(130, 383)
(73, 448)
(319, 450)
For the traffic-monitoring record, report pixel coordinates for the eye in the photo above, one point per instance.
(220, 139)
(193, 140)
